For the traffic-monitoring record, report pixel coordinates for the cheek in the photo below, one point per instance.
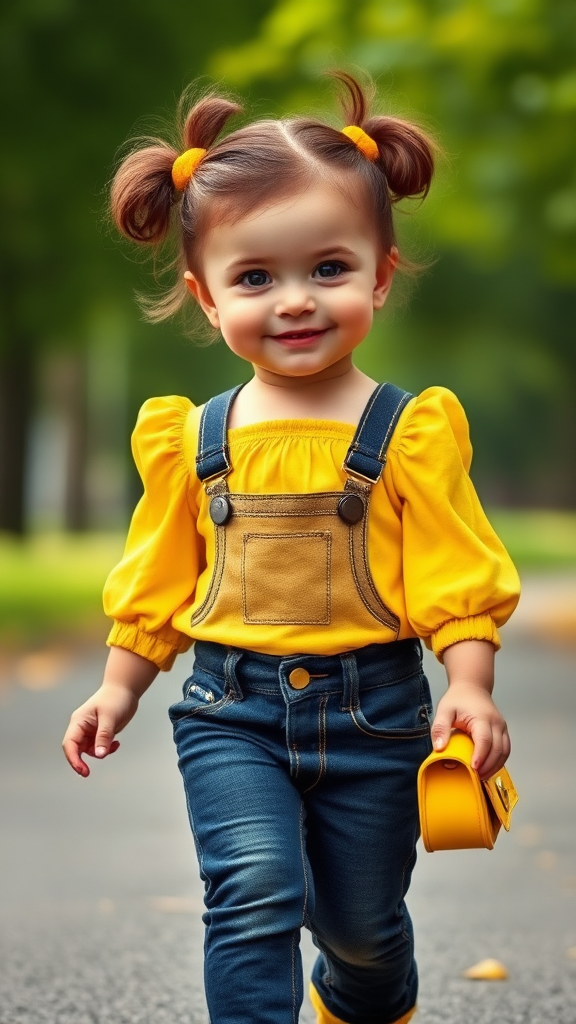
(354, 309)
(240, 321)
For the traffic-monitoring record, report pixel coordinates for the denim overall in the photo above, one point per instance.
(300, 771)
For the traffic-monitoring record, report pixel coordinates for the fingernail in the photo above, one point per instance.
(100, 751)
(437, 744)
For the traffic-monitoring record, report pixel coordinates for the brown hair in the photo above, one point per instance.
(268, 159)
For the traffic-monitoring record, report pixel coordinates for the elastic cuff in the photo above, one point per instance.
(474, 627)
(148, 645)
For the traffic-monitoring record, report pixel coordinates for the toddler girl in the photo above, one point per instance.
(305, 532)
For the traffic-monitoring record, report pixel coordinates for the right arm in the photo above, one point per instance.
(94, 725)
(152, 580)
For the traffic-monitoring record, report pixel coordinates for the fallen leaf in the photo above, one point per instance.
(486, 970)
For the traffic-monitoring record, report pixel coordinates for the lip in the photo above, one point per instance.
(301, 338)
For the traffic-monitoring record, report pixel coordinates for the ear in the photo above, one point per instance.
(203, 298)
(384, 277)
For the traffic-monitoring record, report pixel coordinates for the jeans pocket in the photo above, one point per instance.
(203, 694)
(396, 710)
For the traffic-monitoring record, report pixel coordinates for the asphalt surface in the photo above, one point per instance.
(99, 895)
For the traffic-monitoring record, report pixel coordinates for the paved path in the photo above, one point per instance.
(101, 902)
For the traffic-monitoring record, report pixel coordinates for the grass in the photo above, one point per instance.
(51, 584)
(537, 539)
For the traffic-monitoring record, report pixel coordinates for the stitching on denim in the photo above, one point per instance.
(217, 576)
(392, 425)
(304, 866)
(365, 415)
(294, 1000)
(390, 734)
(208, 709)
(321, 742)
(297, 757)
(386, 617)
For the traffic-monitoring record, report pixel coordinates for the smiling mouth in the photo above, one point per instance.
(304, 335)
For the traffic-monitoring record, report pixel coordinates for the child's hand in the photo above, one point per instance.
(95, 723)
(468, 705)
(471, 708)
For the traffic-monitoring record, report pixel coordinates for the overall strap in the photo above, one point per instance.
(213, 458)
(366, 456)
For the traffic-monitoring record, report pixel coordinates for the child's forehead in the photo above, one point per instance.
(319, 214)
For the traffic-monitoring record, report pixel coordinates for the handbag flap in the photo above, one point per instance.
(502, 794)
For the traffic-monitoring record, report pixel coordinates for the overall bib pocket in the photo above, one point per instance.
(302, 561)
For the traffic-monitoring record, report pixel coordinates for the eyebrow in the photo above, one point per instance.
(253, 261)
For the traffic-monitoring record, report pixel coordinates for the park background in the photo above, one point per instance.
(493, 317)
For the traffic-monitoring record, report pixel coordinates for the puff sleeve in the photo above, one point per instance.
(460, 583)
(159, 568)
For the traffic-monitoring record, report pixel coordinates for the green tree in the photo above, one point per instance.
(495, 318)
(77, 77)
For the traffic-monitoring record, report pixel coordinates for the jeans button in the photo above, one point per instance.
(299, 678)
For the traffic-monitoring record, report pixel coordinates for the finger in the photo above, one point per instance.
(481, 733)
(441, 727)
(104, 737)
(73, 745)
(494, 760)
(498, 755)
(113, 748)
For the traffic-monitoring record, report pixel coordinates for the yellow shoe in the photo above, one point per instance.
(323, 1015)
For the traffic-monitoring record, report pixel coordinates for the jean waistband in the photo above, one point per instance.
(374, 664)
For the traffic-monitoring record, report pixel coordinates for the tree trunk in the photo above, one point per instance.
(16, 386)
(75, 498)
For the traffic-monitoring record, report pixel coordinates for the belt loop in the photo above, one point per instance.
(232, 684)
(351, 680)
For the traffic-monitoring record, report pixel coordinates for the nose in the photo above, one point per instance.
(295, 299)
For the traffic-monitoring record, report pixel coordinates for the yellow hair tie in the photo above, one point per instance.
(365, 144)
(184, 166)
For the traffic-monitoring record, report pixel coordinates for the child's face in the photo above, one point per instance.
(293, 286)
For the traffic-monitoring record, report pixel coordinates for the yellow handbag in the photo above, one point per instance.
(457, 810)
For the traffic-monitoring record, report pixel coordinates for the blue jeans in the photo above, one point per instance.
(303, 806)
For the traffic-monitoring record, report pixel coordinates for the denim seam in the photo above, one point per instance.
(216, 581)
(321, 742)
(209, 709)
(296, 936)
(377, 686)
(390, 734)
(406, 863)
(294, 748)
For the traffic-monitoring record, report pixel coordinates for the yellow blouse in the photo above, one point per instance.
(435, 560)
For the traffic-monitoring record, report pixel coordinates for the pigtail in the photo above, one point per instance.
(406, 152)
(406, 155)
(143, 193)
(203, 124)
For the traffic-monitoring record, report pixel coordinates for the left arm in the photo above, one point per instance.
(468, 705)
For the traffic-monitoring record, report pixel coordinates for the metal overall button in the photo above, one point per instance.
(299, 678)
(220, 510)
(351, 508)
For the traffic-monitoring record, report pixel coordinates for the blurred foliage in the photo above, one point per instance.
(494, 79)
(52, 583)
